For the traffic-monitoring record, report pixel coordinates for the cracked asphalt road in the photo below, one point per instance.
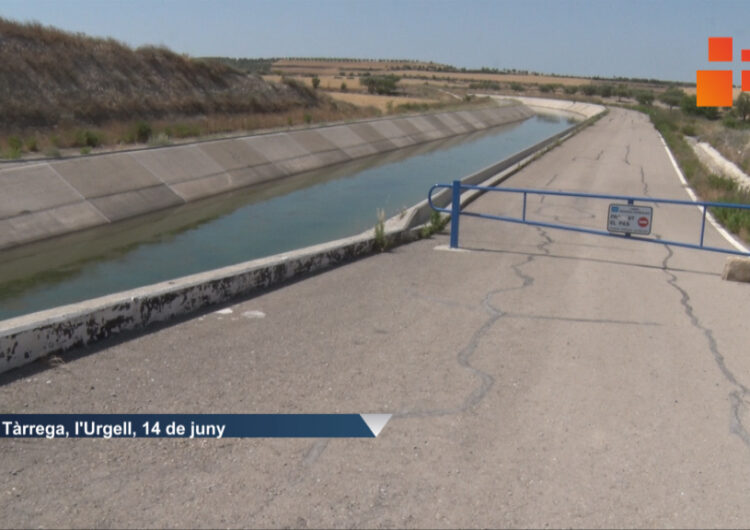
(541, 378)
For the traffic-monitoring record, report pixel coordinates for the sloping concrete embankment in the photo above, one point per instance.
(572, 109)
(27, 338)
(42, 200)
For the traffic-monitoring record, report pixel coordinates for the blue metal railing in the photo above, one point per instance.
(457, 187)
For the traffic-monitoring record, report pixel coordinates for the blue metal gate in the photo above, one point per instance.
(457, 187)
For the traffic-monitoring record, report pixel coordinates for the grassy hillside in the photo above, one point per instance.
(48, 76)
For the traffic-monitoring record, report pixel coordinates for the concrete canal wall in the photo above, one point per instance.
(40, 200)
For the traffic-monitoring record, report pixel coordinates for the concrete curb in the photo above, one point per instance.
(30, 337)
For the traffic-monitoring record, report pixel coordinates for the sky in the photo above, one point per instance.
(661, 39)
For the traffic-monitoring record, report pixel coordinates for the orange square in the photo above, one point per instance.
(746, 55)
(714, 88)
(719, 49)
(746, 80)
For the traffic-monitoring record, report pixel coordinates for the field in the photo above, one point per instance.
(382, 103)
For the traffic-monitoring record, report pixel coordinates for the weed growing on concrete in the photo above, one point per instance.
(436, 225)
(381, 242)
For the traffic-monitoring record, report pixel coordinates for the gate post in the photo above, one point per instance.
(455, 212)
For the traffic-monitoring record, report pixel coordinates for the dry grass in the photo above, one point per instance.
(383, 103)
(734, 144)
(49, 77)
(65, 141)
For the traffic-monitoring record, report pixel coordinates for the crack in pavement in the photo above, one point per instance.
(464, 356)
(550, 182)
(627, 154)
(645, 185)
(736, 396)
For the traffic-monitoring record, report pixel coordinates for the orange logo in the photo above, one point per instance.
(714, 87)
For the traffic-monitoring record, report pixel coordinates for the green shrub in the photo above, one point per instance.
(31, 144)
(589, 90)
(688, 130)
(307, 117)
(13, 153)
(730, 121)
(87, 138)
(570, 89)
(605, 90)
(722, 183)
(14, 143)
(645, 97)
(380, 84)
(518, 87)
(672, 97)
(142, 131)
(183, 130)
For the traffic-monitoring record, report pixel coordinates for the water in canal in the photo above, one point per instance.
(261, 221)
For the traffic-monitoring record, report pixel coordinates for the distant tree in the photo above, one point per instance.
(380, 84)
(672, 97)
(343, 87)
(518, 87)
(645, 97)
(622, 91)
(315, 82)
(589, 90)
(605, 90)
(690, 106)
(742, 105)
(571, 89)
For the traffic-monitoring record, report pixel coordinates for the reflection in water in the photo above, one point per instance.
(260, 221)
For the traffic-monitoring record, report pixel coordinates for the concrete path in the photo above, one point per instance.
(541, 378)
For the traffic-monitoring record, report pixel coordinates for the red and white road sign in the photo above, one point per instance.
(629, 219)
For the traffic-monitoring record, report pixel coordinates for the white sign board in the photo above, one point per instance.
(629, 219)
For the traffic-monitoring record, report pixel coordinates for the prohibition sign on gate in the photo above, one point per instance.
(629, 219)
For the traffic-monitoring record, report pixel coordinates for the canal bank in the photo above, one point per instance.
(27, 338)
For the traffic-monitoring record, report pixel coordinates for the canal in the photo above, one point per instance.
(261, 221)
